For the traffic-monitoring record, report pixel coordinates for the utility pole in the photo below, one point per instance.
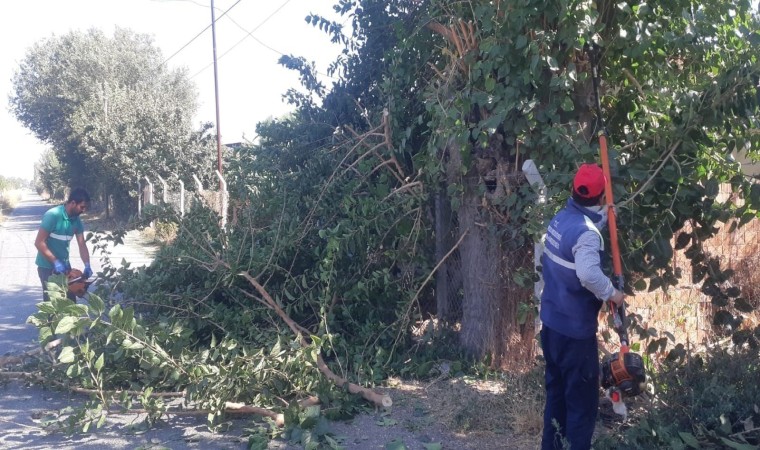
(216, 93)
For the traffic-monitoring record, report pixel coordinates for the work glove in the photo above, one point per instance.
(59, 267)
(87, 272)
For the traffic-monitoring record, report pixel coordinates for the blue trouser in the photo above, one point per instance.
(572, 390)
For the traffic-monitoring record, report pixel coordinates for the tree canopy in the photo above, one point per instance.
(110, 108)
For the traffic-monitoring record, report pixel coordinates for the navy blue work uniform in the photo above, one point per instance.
(568, 335)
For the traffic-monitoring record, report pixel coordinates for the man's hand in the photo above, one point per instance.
(87, 271)
(617, 298)
(59, 267)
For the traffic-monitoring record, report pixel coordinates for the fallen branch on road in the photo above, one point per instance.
(19, 359)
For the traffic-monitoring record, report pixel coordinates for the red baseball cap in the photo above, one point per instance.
(589, 181)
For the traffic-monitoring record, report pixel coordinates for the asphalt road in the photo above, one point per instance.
(23, 406)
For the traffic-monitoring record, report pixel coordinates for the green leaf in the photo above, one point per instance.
(552, 63)
(521, 41)
(490, 84)
(99, 362)
(689, 439)
(96, 303)
(433, 446)
(722, 317)
(130, 345)
(396, 444)
(743, 305)
(738, 445)
(67, 355)
(115, 312)
(46, 307)
(45, 334)
(567, 104)
(66, 324)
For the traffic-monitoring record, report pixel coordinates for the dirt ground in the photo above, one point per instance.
(446, 413)
(456, 413)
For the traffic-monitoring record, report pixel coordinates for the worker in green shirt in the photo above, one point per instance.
(59, 226)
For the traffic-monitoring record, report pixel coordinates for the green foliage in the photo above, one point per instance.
(127, 355)
(9, 193)
(49, 176)
(709, 401)
(10, 183)
(331, 207)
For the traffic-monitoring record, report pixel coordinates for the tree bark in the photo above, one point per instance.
(448, 276)
(482, 281)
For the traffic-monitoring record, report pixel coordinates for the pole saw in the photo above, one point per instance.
(623, 373)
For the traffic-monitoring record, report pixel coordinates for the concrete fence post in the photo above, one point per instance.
(163, 193)
(224, 200)
(198, 184)
(181, 197)
(139, 199)
(150, 191)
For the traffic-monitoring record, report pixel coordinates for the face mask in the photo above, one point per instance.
(602, 211)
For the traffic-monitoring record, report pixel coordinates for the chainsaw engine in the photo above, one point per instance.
(624, 371)
(77, 283)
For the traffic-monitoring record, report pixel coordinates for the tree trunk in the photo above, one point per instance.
(484, 287)
(448, 277)
(490, 323)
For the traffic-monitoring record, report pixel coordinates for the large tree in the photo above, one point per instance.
(475, 88)
(110, 108)
(678, 91)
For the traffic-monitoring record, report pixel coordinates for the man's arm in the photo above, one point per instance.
(84, 253)
(588, 268)
(41, 244)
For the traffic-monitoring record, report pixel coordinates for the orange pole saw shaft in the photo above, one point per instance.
(617, 267)
(618, 314)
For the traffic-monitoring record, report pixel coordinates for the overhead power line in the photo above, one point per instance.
(199, 34)
(248, 34)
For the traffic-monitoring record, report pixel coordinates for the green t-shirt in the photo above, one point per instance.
(62, 230)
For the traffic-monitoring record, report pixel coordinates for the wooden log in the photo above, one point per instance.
(242, 408)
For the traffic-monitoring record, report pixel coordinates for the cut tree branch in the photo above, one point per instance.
(367, 394)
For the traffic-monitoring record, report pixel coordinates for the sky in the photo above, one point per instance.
(250, 38)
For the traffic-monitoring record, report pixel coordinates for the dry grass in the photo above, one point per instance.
(8, 201)
(515, 403)
(508, 410)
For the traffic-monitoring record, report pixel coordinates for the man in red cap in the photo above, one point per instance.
(574, 289)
